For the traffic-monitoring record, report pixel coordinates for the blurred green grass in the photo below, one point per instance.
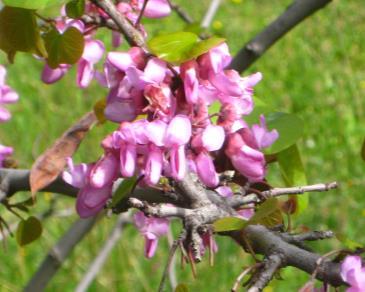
(317, 71)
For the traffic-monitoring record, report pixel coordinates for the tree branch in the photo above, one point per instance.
(296, 12)
(59, 253)
(266, 242)
(133, 36)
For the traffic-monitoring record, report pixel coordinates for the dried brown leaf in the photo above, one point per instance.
(51, 163)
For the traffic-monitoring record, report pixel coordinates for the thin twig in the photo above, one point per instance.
(141, 13)
(170, 259)
(242, 275)
(296, 12)
(181, 12)
(209, 15)
(104, 252)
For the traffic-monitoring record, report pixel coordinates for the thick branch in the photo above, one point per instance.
(133, 36)
(296, 12)
(266, 242)
(59, 253)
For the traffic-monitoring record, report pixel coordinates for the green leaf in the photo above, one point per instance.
(229, 224)
(19, 32)
(204, 46)
(123, 189)
(290, 128)
(30, 4)
(66, 48)
(181, 288)
(173, 47)
(293, 173)
(75, 8)
(28, 231)
(267, 214)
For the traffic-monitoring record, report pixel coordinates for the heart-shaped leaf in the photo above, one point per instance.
(290, 128)
(19, 32)
(173, 47)
(65, 48)
(28, 231)
(75, 8)
(31, 4)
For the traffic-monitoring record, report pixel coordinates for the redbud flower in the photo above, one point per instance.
(151, 228)
(7, 95)
(353, 273)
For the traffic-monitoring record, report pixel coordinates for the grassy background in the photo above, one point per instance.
(316, 71)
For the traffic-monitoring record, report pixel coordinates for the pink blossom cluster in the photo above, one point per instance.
(7, 96)
(353, 273)
(165, 126)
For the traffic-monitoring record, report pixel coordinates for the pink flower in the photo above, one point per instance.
(263, 137)
(353, 273)
(155, 8)
(90, 200)
(7, 95)
(151, 228)
(178, 134)
(92, 54)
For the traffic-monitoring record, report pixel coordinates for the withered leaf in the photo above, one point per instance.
(51, 163)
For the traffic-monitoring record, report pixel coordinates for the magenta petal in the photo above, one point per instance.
(155, 70)
(150, 246)
(127, 160)
(7, 95)
(153, 166)
(191, 86)
(350, 263)
(155, 132)
(4, 114)
(2, 75)
(93, 51)
(156, 8)
(91, 201)
(263, 137)
(85, 73)
(249, 162)
(105, 171)
(213, 137)
(50, 75)
(178, 131)
(122, 61)
(206, 170)
(178, 162)
(227, 82)
(76, 175)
